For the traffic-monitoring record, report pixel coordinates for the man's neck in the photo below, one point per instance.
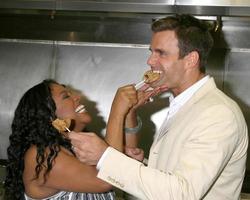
(186, 84)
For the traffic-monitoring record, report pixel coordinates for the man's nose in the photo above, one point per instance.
(152, 60)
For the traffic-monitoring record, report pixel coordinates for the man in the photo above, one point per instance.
(200, 150)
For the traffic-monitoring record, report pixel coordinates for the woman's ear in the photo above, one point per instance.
(192, 59)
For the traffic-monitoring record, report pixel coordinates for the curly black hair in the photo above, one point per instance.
(32, 126)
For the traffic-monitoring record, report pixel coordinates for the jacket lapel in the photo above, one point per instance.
(209, 85)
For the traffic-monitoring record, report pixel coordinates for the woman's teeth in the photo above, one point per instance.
(80, 109)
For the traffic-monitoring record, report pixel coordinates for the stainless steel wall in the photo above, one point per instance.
(96, 71)
(21, 65)
(111, 50)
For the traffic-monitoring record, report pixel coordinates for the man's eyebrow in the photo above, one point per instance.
(159, 50)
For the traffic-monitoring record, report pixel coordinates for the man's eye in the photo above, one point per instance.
(162, 53)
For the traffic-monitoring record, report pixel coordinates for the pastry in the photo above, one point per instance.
(61, 125)
(151, 76)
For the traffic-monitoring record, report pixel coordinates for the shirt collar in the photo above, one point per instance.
(182, 98)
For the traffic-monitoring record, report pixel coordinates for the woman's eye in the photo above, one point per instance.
(66, 96)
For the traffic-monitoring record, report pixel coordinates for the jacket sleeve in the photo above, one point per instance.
(133, 177)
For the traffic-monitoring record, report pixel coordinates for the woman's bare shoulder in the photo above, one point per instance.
(67, 173)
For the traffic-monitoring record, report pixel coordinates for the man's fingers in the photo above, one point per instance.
(83, 155)
(88, 147)
(75, 135)
(79, 138)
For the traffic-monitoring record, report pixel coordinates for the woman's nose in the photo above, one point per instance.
(76, 98)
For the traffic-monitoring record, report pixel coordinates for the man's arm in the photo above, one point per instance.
(193, 175)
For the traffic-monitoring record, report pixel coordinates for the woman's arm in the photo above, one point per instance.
(125, 99)
(123, 115)
(131, 137)
(67, 174)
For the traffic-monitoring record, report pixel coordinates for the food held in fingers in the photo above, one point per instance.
(62, 125)
(151, 76)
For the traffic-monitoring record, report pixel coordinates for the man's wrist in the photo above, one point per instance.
(99, 163)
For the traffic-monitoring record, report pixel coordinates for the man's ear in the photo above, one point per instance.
(192, 59)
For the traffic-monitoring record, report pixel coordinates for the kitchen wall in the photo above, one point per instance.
(96, 47)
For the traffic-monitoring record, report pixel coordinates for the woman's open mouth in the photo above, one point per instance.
(80, 109)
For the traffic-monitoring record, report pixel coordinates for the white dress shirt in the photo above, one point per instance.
(177, 102)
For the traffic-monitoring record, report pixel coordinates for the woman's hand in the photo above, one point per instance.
(128, 99)
(144, 94)
(135, 153)
(125, 99)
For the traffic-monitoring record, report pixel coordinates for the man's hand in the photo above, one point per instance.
(88, 147)
(135, 153)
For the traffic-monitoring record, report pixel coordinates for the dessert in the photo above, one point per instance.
(61, 125)
(151, 76)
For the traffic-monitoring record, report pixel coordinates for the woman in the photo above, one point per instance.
(42, 164)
